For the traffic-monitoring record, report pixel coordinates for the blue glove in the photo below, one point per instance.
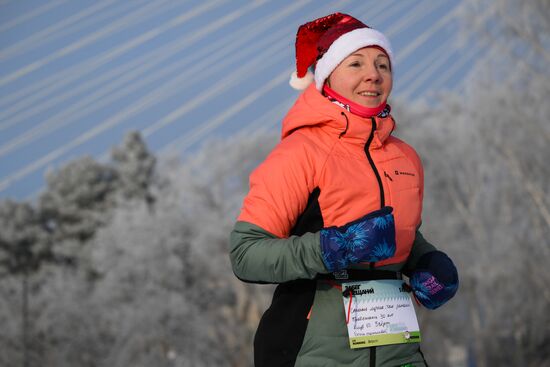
(435, 279)
(368, 239)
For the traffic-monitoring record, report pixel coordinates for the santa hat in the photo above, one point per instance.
(325, 42)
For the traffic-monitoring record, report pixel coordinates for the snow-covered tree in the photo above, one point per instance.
(135, 167)
(163, 292)
(24, 247)
(23, 243)
(77, 200)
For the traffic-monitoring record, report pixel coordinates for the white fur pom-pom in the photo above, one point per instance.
(301, 83)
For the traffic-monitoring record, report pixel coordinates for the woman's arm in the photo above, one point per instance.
(262, 247)
(420, 247)
(259, 256)
(432, 274)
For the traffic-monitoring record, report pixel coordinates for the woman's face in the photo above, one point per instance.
(363, 77)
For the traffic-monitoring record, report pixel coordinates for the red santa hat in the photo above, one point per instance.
(325, 42)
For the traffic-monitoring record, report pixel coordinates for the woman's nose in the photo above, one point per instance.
(372, 74)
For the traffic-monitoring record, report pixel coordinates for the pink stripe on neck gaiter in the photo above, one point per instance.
(354, 108)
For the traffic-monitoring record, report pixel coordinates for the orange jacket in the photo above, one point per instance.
(357, 170)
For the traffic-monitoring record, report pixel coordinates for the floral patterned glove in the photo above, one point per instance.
(368, 239)
(435, 280)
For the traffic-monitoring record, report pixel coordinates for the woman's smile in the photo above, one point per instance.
(369, 94)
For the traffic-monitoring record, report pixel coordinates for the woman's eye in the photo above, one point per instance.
(355, 64)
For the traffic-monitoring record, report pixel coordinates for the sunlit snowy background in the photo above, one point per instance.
(128, 130)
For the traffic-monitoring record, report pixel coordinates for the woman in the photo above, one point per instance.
(311, 221)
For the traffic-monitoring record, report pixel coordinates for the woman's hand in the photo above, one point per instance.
(368, 239)
(435, 279)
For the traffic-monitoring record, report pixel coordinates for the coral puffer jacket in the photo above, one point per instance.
(355, 162)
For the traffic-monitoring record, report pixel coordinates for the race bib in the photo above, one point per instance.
(379, 312)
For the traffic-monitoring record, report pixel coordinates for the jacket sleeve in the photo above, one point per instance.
(261, 249)
(259, 256)
(420, 247)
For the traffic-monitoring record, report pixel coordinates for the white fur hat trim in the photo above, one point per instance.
(344, 46)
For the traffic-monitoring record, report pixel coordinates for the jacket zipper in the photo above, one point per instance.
(373, 166)
(382, 204)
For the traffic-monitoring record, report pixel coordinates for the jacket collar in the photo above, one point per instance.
(313, 109)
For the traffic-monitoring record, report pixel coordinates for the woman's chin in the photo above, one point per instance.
(369, 103)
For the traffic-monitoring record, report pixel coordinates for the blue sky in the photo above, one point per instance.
(75, 76)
